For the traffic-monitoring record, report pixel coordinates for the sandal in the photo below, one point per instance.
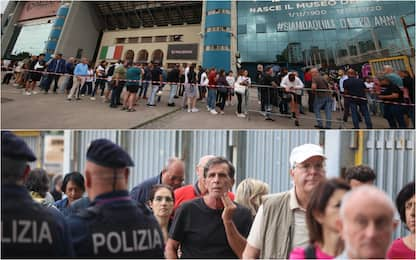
(123, 108)
(131, 110)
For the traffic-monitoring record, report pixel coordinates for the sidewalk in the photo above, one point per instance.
(52, 111)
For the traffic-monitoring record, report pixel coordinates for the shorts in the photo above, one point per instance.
(34, 76)
(133, 88)
(191, 90)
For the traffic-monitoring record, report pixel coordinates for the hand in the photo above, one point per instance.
(229, 208)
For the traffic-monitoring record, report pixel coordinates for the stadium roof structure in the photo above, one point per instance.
(135, 14)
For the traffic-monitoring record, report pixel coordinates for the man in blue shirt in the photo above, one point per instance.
(80, 73)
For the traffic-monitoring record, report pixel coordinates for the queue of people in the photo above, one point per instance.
(123, 83)
(318, 218)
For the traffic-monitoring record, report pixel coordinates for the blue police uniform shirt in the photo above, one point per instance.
(116, 226)
(29, 230)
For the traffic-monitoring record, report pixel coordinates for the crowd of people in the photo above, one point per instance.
(123, 83)
(318, 218)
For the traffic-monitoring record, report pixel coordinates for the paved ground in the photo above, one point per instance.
(54, 112)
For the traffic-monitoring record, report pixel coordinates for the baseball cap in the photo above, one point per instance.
(303, 152)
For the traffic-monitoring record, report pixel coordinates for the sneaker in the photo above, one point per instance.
(189, 110)
(208, 109)
(227, 103)
(212, 111)
(241, 115)
(222, 113)
(35, 92)
(194, 110)
(92, 98)
(27, 93)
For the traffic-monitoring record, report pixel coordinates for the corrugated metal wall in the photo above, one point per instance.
(392, 155)
(267, 155)
(150, 151)
(82, 140)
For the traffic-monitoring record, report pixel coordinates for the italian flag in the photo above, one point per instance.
(111, 52)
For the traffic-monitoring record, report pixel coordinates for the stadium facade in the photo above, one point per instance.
(220, 34)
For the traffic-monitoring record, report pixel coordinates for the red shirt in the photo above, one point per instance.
(212, 78)
(190, 192)
(399, 250)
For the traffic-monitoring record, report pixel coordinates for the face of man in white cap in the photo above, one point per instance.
(307, 167)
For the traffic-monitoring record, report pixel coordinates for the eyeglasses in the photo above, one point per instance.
(166, 198)
(176, 178)
(308, 166)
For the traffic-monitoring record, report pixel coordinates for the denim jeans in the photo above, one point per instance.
(212, 96)
(115, 94)
(172, 93)
(326, 103)
(394, 115)
(152, 99)
(364, 111)
(144, 89)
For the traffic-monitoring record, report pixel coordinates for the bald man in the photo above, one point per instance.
(366, 223)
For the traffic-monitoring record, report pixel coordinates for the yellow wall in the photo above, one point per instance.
(191, 34)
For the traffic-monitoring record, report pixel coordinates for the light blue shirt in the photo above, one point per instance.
(341, 83)
(81, 69)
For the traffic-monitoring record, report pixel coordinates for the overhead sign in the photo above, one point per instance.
(182, 52)
(39, 9)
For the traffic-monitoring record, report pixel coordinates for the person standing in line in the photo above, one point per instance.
(118, 82)
(80, 73)
(323, 99)
(191, 90)
(133, 77)
(212, 91)
(173, 79)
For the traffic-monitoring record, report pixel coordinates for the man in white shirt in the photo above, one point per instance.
(293, 86)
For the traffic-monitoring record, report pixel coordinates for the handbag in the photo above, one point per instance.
(240, 89)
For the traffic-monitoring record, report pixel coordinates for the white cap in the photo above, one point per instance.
(303, 152)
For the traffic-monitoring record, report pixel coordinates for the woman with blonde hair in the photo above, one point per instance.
(250, 194)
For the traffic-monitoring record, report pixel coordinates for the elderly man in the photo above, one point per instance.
(113, 225)
(280, 224)
(198, 189)
(172, 175)
(28, 230)
(80, 71)
(211, 226)
(388, 72)
(366, 223)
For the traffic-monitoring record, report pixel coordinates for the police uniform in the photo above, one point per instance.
(114, 225)
(28, 230)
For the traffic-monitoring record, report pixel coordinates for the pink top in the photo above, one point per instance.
(299, 253)
(399, 250)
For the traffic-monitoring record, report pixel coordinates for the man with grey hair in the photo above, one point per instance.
(80, 71)
(366, 223)
(285, 213)
(172, 175)
(388, 72)
(211, 226)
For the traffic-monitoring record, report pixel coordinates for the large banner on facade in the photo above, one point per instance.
(182, 51)
(39, 9)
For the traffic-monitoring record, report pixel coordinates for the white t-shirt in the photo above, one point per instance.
(204, 79)
(230, 80)
(292, 86)
(186, 75)
(300, 234)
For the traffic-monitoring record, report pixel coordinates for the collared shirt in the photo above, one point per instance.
(81, 69)
(300, 234)
(141, 192)
(341, 83)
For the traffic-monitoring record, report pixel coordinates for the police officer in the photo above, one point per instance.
(113, 225)
(28, 230)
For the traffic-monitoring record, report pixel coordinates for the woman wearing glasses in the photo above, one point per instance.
(161, 202)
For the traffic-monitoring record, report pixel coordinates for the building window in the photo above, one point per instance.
(242, 29)
(157, 56)
(261, 28)
(143, 56)
(129, 55)
(217, 48)
(133, 39)
(219, 11)
(176, 38)
(218, 29)
(161, 38)
(120, 40)
(147, 39)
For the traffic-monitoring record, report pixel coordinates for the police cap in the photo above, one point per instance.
(108, 154)
(14, 147)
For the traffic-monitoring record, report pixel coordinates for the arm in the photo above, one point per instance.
(392, 96)
(236, 241)
(171, 249)
(251, 252)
